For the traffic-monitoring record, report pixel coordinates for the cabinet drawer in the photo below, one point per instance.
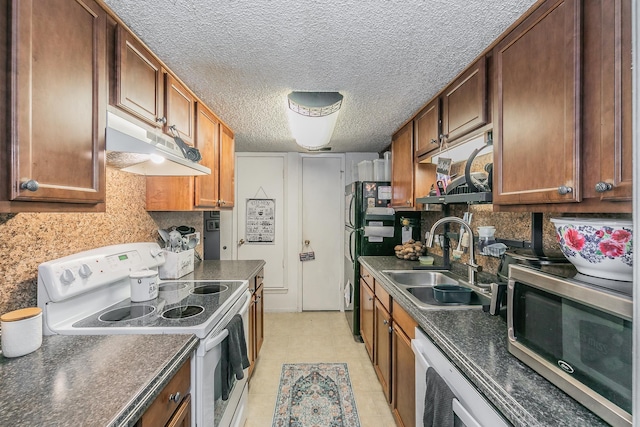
(383, 296)
(367, 277)
(163, 408)
(404, 320)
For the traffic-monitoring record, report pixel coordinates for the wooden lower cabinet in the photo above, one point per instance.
(182, 416)
(382, 348)
(169, 407)
(366, 317)
(256, 320)
(403, 387)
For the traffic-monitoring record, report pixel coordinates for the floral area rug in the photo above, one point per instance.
(315, 395)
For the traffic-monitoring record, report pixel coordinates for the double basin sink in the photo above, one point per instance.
(418, 285)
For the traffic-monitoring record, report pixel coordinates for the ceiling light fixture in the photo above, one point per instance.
(312, 117)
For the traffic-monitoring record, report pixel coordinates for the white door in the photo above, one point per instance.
(323, 227)
(262, 177)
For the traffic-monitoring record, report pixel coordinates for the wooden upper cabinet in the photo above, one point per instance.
(537, 108)
(427, 128)
(180, 110)
(57, 105)
(227, 167)
(464, 102)
(208, 142)
(402, 167)
(607, 112)
(139, 88)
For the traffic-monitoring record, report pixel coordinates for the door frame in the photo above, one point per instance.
(300, 231)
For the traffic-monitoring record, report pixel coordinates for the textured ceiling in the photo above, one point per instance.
(387, 57)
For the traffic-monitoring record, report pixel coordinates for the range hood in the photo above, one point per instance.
(132, 148)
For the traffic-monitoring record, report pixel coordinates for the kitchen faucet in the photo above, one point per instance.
(472, 268)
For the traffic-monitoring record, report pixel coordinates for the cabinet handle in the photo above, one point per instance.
(385, 322)
(390, 329)
(433, 141)
(563, 189)
(602, 186)
(408, 202)
(221, 202)
(370, 299)
(31, 185)
(162, 120)
(175, 397)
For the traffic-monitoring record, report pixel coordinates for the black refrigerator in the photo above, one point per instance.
(371, 228)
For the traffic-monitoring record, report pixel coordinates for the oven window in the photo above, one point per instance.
(595, 345)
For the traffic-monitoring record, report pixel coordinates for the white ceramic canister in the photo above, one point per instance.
(21, 331)
(144, 285)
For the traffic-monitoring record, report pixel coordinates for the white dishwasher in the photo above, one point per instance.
(472, 409)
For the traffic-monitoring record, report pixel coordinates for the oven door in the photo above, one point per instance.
(210, 407)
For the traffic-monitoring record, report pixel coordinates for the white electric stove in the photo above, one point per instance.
(88, 293)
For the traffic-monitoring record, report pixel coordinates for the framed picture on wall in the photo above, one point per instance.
(260, 227)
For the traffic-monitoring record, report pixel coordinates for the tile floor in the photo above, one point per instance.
(313, 337)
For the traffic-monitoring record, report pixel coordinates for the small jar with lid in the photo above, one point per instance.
(486, 237)
(21, 331)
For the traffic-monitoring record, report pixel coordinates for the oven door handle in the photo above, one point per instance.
(246, 305)
(418, 351)
(214, 341)
(460, 411)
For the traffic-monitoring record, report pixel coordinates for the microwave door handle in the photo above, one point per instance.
(510, 298)
(214, 341)
(466, 418)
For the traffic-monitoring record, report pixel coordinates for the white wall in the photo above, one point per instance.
(285, 297)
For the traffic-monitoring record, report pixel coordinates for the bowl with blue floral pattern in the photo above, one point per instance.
(597, 247)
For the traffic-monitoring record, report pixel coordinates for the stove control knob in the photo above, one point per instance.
(85, 271)
(155, 252)
(67, 277)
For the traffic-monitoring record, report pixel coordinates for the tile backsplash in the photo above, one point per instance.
(32, 238)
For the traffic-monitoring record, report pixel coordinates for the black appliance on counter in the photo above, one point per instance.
(371, 228)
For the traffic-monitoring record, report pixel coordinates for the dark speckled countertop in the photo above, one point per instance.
(106, 380)
(477, 343)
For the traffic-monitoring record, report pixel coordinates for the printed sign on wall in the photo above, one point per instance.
(261, 221)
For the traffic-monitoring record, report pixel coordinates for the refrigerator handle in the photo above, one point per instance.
(351, 203)
(350, 251)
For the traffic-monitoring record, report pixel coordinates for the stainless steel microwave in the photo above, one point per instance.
(576, 331)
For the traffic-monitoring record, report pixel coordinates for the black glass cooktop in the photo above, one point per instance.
(180, 304)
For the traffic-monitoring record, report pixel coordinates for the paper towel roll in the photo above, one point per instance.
(378, 231)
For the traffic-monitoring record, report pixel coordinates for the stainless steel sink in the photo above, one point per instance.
(419, 277)
(418, 285)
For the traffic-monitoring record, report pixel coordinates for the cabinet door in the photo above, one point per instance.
(227, 167)
(616, 168)
(537, 101)
(366, 317)
(427, 128)
(182, 416)
(259, 333)
(180, 109)
(139, 80)
(58, 101)
(464, 102)
(403, 378)
(382, 348)
(402, 167)
(207, 141)
(251, 339)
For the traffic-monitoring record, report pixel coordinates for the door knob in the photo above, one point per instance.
(307, 242)
(602, 186)
(241, 242)
(563, 189)
(31, 185)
